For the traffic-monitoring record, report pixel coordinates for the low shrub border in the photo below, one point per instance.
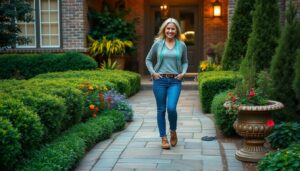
(64, 152)
(223, 120)
(25, 66)
(214, 82)
(125, 81)
(42, 97)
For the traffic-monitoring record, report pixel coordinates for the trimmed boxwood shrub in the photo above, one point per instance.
(51, 109)
(10, 146)
(281, 160)
(73, 97)
(223, 120)
(24, 66)
(26, 121)
(284, 134)
(214, 82)
(64, 152)
(59, 155)
(117, 117)
(126, 82)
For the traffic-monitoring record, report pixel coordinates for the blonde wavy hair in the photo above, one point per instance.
(161, 32)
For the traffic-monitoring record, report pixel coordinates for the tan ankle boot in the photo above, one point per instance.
(173, 139)
(164, 143)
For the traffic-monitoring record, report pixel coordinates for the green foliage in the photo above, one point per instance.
(10, 146)
(223, 120)
(214, 82)
(264, 83)
(208, 65)
(74, 100)
(117, 117)
(282, 68)
(126, 109)
(264, 36)
(236, 45)
(109, 64)
(24, 66)
(108, 48)
(281, 160)
(284, 134)
(51, 109)
(10, 11)
(59, 155)
(123, 81)
(112, 24)
(64, 152)
(24, 120)
(296, 83)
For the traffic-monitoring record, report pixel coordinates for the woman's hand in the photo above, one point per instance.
(179, 76)
(156, 76)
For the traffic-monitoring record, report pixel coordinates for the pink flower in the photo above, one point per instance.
(270, 123)
(233, 98)
(252, 93)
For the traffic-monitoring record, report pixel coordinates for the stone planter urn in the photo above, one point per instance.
(251, 125)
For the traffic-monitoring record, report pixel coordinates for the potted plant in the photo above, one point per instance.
(115, 49)
(111, 35)
(253, 109)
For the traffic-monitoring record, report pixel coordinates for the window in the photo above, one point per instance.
(44, 32)
(29, 30)
(49, 24)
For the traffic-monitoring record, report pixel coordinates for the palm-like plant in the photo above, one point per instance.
(105, 47)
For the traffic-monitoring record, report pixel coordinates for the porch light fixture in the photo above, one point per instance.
(164, 9)
(217, 8)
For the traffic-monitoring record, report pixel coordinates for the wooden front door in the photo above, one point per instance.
(189, 23)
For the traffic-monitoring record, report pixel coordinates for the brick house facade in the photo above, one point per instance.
(73, 25)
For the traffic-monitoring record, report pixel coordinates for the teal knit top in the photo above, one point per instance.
(169, 61)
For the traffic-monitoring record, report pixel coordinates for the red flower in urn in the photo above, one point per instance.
(270, 123)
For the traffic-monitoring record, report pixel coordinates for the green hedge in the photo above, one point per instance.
(117, 117)
(63, 153)
(125, 81)
(51, 109)
(223, 120)
(10, 146)
(38, 107)
(24, 66)
(214, 82)
(24, 120)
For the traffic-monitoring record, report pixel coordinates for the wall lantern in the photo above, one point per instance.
(164, 10)
(217, 8)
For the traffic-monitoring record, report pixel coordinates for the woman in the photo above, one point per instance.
(167, 75)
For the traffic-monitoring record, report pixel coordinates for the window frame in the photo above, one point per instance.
(38, 28)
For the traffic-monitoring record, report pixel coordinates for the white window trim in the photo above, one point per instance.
(58, 24)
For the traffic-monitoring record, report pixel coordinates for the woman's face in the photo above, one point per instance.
(170, 31)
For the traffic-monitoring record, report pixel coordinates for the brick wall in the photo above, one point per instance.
(138, 11)
(214, 28)
(74, 24)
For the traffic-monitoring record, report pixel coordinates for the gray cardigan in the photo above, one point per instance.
(156, 49)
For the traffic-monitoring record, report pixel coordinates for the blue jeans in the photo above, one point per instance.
(166, 92)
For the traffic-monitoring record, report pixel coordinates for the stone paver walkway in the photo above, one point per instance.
(137, 148)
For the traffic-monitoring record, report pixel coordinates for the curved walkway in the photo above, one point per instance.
(138, 146)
